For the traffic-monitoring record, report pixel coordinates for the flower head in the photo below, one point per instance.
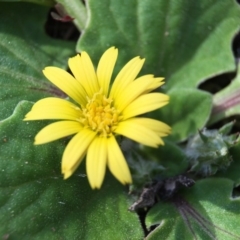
(99, 113)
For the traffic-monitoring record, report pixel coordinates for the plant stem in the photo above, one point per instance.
(77, 10)
(223, 107)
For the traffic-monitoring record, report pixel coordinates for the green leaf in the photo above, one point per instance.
(205, 211)
(186, 113)
(232, 172)
(170, 156)
(35, 201)
(226, 103)
(41, 2)
(150, 163)
(208, 151)
(184, 41)
(25, 51)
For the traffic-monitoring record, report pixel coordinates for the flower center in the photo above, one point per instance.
(100, 115)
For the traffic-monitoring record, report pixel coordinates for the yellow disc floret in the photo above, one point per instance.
(100, 115)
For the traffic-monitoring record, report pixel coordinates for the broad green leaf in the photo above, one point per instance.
(186, 113)
(226, 103)
(25, 51)
(184, 41)
(205, 211)
(41, 2)
(36, 203)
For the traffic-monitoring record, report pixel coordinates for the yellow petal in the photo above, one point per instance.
(66, 82)
(83, 70)
(117, 163)
(160, 128)
(126, 76)
(139, 133)
(134, 90)
(158, 82)
(105, 68)
(52, 101)
(57, 130)
(145, 103)
(53, 108)
(96, 161)
(75, 151)
(68, 173)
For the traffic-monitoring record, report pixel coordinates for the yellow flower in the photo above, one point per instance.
(100, 113)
